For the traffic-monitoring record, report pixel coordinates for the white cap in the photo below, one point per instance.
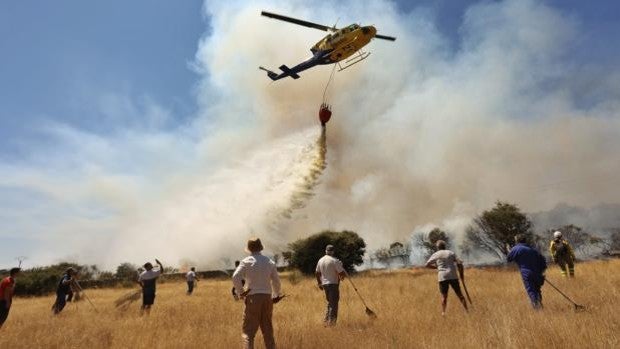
(557, 234)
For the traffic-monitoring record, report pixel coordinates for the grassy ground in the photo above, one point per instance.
(407, 304)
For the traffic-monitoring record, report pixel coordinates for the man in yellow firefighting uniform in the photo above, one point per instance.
(562, 254)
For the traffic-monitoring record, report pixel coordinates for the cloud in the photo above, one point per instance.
(422, 133)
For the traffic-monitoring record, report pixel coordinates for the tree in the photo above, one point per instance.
(397, 251)
(287, 256)
(614, 241)
(43, 280)
(427, 242)
(494, 230)
(383, 256)
(349, 246)
(20, 260)
(127, 272)
(400, 251)
(106, 275)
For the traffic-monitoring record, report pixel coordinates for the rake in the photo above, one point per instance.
(369, 312)
(578, 307)
(77, 284)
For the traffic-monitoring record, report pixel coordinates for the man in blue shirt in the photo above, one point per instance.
(532, 266)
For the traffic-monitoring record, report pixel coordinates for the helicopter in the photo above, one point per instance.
(337, 46)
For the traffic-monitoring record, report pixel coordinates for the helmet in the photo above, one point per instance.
(557, 234)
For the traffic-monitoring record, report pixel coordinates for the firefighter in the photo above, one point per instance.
(562, 254)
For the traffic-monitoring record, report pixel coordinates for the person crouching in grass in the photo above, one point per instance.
(445, 262)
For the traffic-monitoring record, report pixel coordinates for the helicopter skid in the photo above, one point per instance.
(360, 56)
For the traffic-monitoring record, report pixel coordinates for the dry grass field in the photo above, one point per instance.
(406, 302)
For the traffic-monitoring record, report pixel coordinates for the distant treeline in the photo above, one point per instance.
(487, 239)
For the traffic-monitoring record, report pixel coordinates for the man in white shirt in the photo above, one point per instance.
(191, 278)
(445, 262)
(329, 272)
(260, 275)
(147, 281)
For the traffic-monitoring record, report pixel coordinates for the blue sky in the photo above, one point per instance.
(58, 56)
(99, 67)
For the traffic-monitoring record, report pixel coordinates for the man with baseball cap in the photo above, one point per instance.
(562, 254)
(262, 290)
(329, 272)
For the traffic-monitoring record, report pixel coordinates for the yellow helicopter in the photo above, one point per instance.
(337, 46)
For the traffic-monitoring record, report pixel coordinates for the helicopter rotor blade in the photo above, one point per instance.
(297, 21)
(384, 37)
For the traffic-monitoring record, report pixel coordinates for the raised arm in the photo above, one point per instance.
(161, 267)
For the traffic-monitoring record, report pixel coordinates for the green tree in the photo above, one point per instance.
(106, 275)
(43, 280)
(127, 272)
(287, 256)
(494, 230)
(350, 249)
(427, 242)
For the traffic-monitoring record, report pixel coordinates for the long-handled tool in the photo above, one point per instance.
(578, 307)
(462, 276)
(85, 296)
(368, 311)
(125, 300)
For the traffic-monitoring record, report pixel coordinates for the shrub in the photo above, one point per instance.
(349, 246)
